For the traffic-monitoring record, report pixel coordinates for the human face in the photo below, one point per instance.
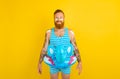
(59, 20)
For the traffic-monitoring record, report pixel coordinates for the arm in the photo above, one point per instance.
(44, 48)
(43, 51)
(76, 50)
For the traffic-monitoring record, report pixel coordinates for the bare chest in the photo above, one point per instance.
(59, 33)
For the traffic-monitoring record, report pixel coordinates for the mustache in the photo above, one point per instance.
(61, 23)
(58, 21)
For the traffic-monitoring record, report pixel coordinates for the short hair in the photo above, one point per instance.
(57, 11)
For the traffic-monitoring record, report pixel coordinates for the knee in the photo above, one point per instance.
(54, 76)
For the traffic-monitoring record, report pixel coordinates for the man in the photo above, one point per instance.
(59, 31)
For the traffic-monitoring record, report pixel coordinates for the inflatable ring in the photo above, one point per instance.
(60, 56)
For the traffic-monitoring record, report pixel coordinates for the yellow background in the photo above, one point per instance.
(23, 24)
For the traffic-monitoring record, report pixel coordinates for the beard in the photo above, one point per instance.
(59, 26)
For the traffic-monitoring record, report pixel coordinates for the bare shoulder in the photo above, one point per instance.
(71, 33)
(48, 32)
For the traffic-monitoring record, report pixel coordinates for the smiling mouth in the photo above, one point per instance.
(58, 22)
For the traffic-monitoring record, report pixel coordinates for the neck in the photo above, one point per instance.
(59, 27)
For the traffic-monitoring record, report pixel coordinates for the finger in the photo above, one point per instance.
(40, 71)
(78, 73)
(80, 69)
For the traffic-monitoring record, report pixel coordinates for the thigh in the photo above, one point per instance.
(65, 76)
(54, 73)
(66, 70)
(66, 73)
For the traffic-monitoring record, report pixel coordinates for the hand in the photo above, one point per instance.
(79, 67)
(39, 68)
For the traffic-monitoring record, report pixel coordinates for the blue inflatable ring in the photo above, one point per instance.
(60, 56)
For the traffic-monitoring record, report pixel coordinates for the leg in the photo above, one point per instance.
(65, 76)
(66, 73)
(54, 76)
(54, 73)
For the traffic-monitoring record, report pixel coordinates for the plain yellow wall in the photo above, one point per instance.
(96, 24)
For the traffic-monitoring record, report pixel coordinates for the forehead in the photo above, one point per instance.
(59, 14)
